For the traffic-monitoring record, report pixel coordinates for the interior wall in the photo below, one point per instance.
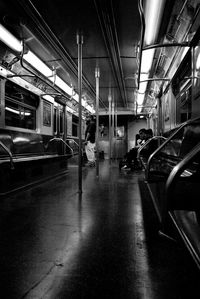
(121, 145)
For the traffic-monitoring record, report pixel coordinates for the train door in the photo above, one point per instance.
(59, 121)
(119, 142)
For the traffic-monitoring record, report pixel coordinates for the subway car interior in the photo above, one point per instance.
(129, 227)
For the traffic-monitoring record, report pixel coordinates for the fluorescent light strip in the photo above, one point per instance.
(41, 66)
(140, 98)
(147, 58)
(70, 110)
(60, 83)
(153, 13)
(33, 60)
(15, 111)
(12, 110)
(198, 61)
(12, 42)
(48, 98)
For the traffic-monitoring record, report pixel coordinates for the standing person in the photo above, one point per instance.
(90, 140)
(102, 130)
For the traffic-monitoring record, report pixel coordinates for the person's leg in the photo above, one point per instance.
(136, 162)
(131, 156)
(89, 149)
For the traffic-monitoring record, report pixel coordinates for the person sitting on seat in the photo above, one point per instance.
(150, 147)
(131, 161)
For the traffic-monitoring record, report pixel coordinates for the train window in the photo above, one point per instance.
(20, 107)
(182, 89)
(184, 105)
(61, 122)
(21, 95)
(58, 120)
(21, 116)
(74, 125)
(55, 116)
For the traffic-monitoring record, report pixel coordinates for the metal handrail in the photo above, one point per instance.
(147, 142)
(190, 121)
(9, 153)
(174, 175)
(70, 139)
(60, 139)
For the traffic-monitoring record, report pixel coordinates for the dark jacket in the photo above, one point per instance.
(90, 132)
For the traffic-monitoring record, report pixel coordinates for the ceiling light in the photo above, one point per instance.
(70, 110)
(147, 58)
(15, 111)
(143, 83)
(49, 98)
(198, 61)
(33, 60)
(140, 98)
(10, 40)
(153, 14)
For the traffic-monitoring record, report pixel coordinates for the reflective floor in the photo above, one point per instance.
(57, 244)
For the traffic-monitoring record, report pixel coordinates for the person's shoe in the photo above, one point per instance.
(125, 167)
(90, 164)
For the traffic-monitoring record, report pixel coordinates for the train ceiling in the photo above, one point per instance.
(112, 32)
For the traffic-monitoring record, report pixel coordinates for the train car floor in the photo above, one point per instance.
(103, 243)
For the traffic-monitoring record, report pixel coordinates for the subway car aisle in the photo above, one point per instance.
(56, 244)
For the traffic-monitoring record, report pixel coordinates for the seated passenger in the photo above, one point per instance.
(130, 159)
(149, 133)
(151, 146)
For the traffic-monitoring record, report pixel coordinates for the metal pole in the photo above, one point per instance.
(159, 116)
(193, 73)
(116, 148)
(97, 75)
(80, 43)
(113, 130)
(110, 136)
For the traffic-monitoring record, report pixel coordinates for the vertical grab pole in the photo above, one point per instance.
(159, 116)
(97, 76)
(110, 135)
(193, 72)
(80, 43)
(113, 130)
(116, 154)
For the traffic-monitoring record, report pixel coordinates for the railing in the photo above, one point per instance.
(187, 232)
(69, 139)
(167, 141)
(175, 174)
(9, 153)
(147, 142)
(60, 139)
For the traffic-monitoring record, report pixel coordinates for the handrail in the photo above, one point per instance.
(190, 121)
(9, 153)
(173, 176)
(147, 142)
(71, 139)
(60, 139)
